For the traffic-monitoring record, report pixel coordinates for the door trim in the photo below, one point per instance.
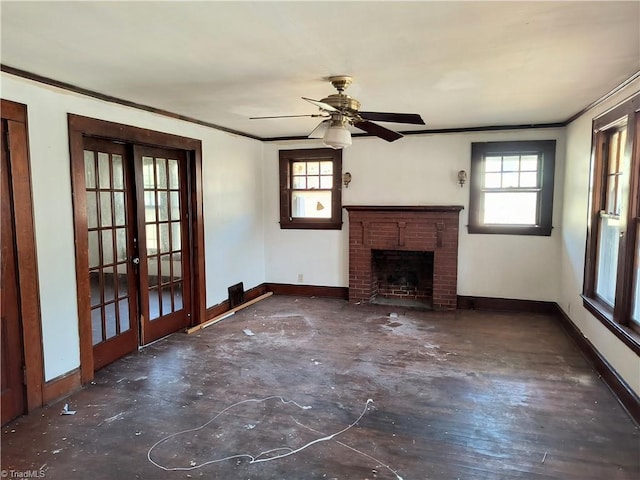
(27, 263)
(79, 127)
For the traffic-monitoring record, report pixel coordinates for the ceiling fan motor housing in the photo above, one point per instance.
(342, 102)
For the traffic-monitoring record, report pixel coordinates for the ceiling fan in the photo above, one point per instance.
(340, 110)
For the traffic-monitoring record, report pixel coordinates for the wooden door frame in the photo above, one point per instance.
(79, 127)
(27, 263)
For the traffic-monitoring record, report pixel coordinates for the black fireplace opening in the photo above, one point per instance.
(403, 278)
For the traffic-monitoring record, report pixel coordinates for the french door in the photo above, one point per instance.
(164, 265)
(138, 271)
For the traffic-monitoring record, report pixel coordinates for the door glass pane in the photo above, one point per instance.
(161, 173)
(165, 268)
(109, 284)
(89, 169)
(92, 210)
(164, 237)
(123, 281)
(118, 173)
(119, 208)
(149, 206)
(154, 270)
(152, 239)
(121, 244)
(166, 300)
(175, 205)
(104, 170)
(163, 207)
(94, 250)
(148, 174)
(94, 285)
(176, 240)
(177, 266)
(154, 304)
(173, 174)
(107, 247)
(105, 209)
(96, 325)
(110, 320)
(123, 305)
(607, 259)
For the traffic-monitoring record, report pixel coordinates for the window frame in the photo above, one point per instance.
(286, 158)
(617, 318)
(544, 214)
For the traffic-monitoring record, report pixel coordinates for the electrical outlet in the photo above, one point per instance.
(300, 278)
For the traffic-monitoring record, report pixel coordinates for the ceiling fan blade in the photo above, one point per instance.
(288, 116)
(378, 130)
(320, 130)
(412, 118)
(321, 105)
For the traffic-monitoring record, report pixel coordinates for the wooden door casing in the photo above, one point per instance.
(12, 361)
(15, 144)
(81, 127)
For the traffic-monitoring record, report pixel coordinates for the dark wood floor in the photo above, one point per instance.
(462, 395)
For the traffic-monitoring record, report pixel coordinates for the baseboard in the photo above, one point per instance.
(505, 304)
(61, 386)
(629, 399)
(308, 290)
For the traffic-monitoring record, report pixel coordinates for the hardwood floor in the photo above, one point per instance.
(459, 395)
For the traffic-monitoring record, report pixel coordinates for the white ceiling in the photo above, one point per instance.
(458, 64)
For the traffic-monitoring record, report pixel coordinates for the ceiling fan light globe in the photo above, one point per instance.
(337, 137)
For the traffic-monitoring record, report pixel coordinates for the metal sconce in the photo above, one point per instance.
(462, 178)
(346, 179)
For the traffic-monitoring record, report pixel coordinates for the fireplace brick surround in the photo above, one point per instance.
(425, 228)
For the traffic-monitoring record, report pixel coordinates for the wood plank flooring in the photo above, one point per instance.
(459, 395)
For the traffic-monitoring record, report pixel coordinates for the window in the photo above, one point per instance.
(310, 188)
(612, 276)
(512, 187)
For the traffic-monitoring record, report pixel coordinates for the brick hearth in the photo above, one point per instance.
(409, 228)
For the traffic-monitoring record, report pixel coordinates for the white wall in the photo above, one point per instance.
(417, 170)
(573, 241)
(232, 185)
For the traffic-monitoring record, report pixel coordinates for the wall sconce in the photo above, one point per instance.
(346, 179)
(462, 178)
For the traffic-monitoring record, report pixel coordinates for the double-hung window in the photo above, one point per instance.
(612, 266)
(310, 188)
(512, 187)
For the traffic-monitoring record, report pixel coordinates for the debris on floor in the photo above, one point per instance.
(248, 332)
(66, 411)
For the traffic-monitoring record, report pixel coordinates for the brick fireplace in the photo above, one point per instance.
(376, 232)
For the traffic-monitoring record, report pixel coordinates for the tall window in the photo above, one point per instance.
(310, 188)
(512, 187)
(612, 278)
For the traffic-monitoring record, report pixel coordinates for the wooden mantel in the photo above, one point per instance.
(404, 208)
